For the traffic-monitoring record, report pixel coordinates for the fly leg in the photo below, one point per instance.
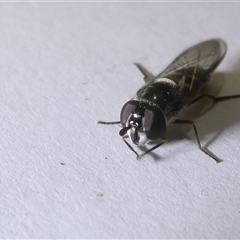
(147, 75)
(178, 121)
(151, 149)
(215, 99)
(124, 136)
(130, 147)
(108, 123)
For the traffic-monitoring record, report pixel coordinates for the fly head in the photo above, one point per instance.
(142, 122)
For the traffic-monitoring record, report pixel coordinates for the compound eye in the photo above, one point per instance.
(127, 109)
(155, 123)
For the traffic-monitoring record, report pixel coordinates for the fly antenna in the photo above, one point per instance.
(123, 131)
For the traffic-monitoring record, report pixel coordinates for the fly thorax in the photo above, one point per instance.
(162, 92)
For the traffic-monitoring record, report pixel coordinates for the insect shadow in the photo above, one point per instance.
(214, 122)
(225, 113)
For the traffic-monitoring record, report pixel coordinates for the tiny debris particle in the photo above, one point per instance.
(99, 194)
(62, 163)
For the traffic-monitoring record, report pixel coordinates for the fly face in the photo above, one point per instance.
(142, 122)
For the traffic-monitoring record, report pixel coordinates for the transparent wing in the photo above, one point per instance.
(205, 55)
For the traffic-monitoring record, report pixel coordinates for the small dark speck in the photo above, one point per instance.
(106, 158)
(62, 163)
(99, 195)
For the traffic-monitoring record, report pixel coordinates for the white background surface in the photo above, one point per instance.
(63, 67)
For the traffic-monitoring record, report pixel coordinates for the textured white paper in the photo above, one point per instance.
(63, 67)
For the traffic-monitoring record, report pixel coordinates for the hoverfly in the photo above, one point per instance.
(157, 104)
